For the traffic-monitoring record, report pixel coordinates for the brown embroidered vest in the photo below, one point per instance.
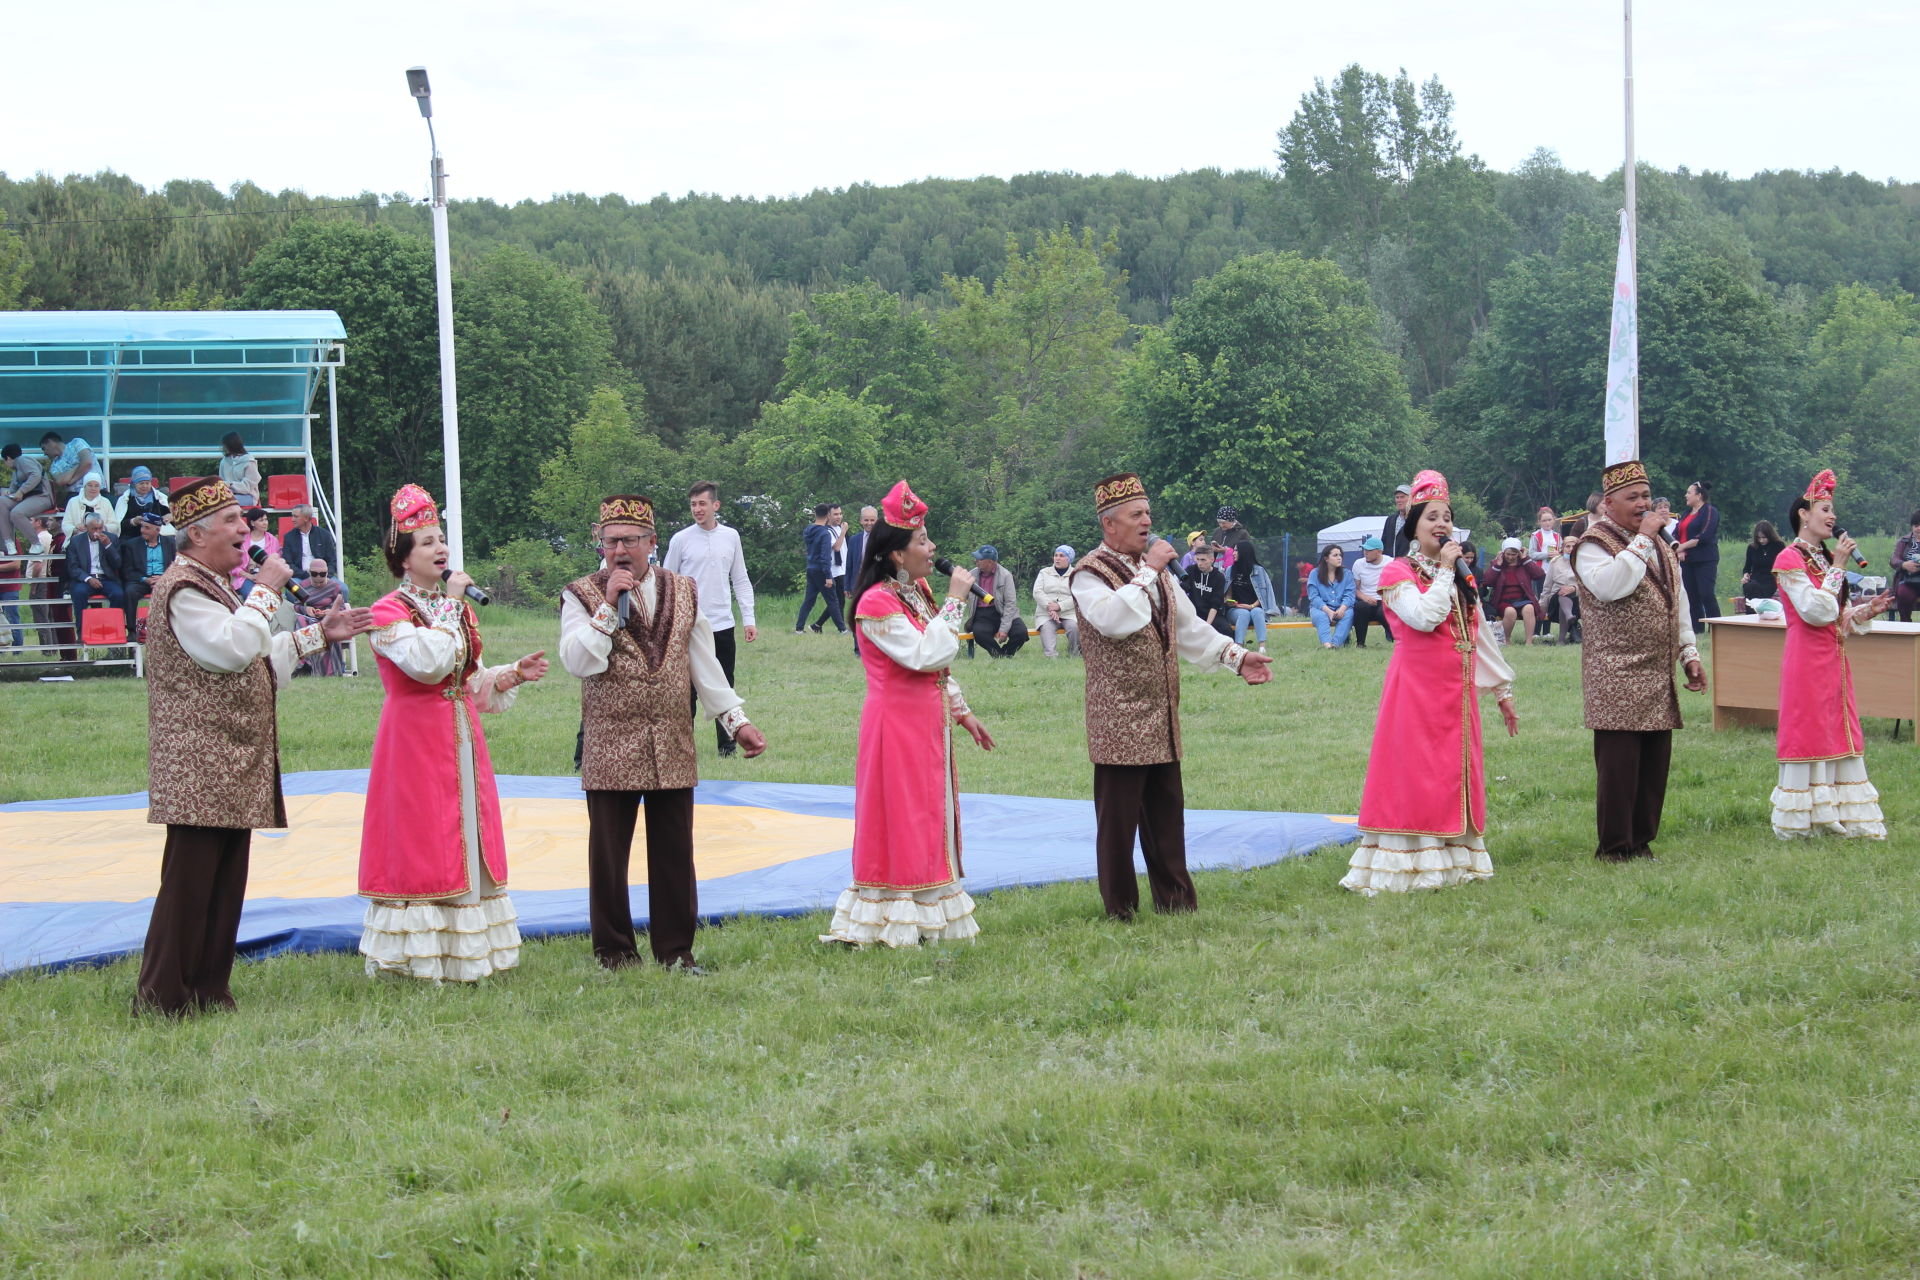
(638, 728)
(213, 746)
(1628, 648)
(1133, 685)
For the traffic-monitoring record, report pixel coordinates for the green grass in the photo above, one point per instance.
(1701, 1067)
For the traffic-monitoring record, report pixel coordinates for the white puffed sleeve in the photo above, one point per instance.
(929, 650)
(1818, 603)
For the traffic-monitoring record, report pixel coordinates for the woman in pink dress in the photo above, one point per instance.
(1423, 808)
(1823, 786)
(433, 863)
(906, 812)
(257, 536)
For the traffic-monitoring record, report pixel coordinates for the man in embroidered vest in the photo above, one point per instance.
(213, 754)
(1135, 625)
(1633, 611)
(635, 636)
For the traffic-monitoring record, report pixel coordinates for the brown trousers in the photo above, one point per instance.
(188, 960)
(1146, 799)
(1632, 767)
(672, 892)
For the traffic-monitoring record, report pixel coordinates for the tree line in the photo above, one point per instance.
(1291, 341)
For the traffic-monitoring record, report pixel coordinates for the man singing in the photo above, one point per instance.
(1633, 611)
(638, 738)
(213, 751)
(1135, 625)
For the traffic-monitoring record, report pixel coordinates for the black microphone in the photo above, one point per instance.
(259, 555)
(1857, 557)
(625, 608)
(945, 565)
(473, 593)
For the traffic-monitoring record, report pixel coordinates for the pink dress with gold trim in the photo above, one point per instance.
(1822, 787)
(1423, 808)
(433, 860)
(906, 817)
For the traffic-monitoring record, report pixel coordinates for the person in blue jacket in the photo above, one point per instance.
(1330, 598)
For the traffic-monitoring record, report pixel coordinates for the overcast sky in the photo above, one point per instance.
(746, 97)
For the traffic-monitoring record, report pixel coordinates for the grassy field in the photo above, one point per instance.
(1704, 1066)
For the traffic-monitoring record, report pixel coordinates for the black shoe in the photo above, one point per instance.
(1614, 857)
(815, 628)
(727, 751)
(621, 960)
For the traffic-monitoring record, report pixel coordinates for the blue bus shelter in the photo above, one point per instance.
(150, 385)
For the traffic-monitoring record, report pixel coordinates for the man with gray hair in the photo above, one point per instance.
(93, 565)
(307, 541)
(214, 666)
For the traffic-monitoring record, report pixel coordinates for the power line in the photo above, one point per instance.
(191, 217)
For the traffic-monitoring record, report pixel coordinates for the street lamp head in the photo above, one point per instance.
(417, 86)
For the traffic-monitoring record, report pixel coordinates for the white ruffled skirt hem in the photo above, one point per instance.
(902, 917)
(1390, 863)
(441, 941)
(1827, 797)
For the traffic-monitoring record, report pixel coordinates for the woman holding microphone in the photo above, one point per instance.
(906, 806)
(1423, 809)
(433, 860)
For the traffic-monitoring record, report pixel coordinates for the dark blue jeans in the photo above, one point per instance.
(820, 586)
(109, 589)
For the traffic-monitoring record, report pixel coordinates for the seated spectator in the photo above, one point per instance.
(257, 536)
(27, 493)
(69, 463)
(142, 560)
(321, 593)
(1194, 539)
(1561, 595)
(1513, 598)
(89, 499)
(1906, 570)
(1244, 609)
(93, 564)
(1206, 587)
(1756, 575)
(994, 627)
(10, 593)
(55, 621)
(143, 498)
(1330, 598)
(1053, 602)
(307, 541)
(239, 470)
(1367, 607)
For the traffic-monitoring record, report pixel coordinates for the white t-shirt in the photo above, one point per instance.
(1366, 575)
(840, 551)
(714, 560)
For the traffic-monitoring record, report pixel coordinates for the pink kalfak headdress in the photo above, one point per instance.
(903, 509)
(1429, 486)
(1821, 486)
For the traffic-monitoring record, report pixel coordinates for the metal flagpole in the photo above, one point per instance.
(450, 509)
(1633, 216)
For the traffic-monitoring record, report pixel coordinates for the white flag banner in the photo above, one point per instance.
(1623, 358)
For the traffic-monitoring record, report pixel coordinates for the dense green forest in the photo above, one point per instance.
(1294, 341)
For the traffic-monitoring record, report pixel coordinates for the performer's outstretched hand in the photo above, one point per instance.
(341, 623)
(971, 723)
(1507, 714)
(1256, 668)
(752, 741)
(1696, 677)
(532, 667)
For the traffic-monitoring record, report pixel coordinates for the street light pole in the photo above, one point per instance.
(450, 508)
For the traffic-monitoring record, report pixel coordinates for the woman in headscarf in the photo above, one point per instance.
(1822, 786)
(433, 858)
(142, 498)
(1423, 810)
(906, 803)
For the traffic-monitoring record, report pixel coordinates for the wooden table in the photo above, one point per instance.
(1747, 653)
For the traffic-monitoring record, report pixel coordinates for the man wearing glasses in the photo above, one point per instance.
(322, 591)
(636, 638)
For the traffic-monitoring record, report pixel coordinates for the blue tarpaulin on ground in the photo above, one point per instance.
(72, 872)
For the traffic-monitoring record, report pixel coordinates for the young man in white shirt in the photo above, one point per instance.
(709, 552)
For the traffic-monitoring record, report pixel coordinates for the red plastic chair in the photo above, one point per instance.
(284, 492)
(102, 624)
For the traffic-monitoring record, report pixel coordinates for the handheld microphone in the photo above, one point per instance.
(473, 593)
(625, 608)
(945, 565)
(1857, 557)
(259, 556)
